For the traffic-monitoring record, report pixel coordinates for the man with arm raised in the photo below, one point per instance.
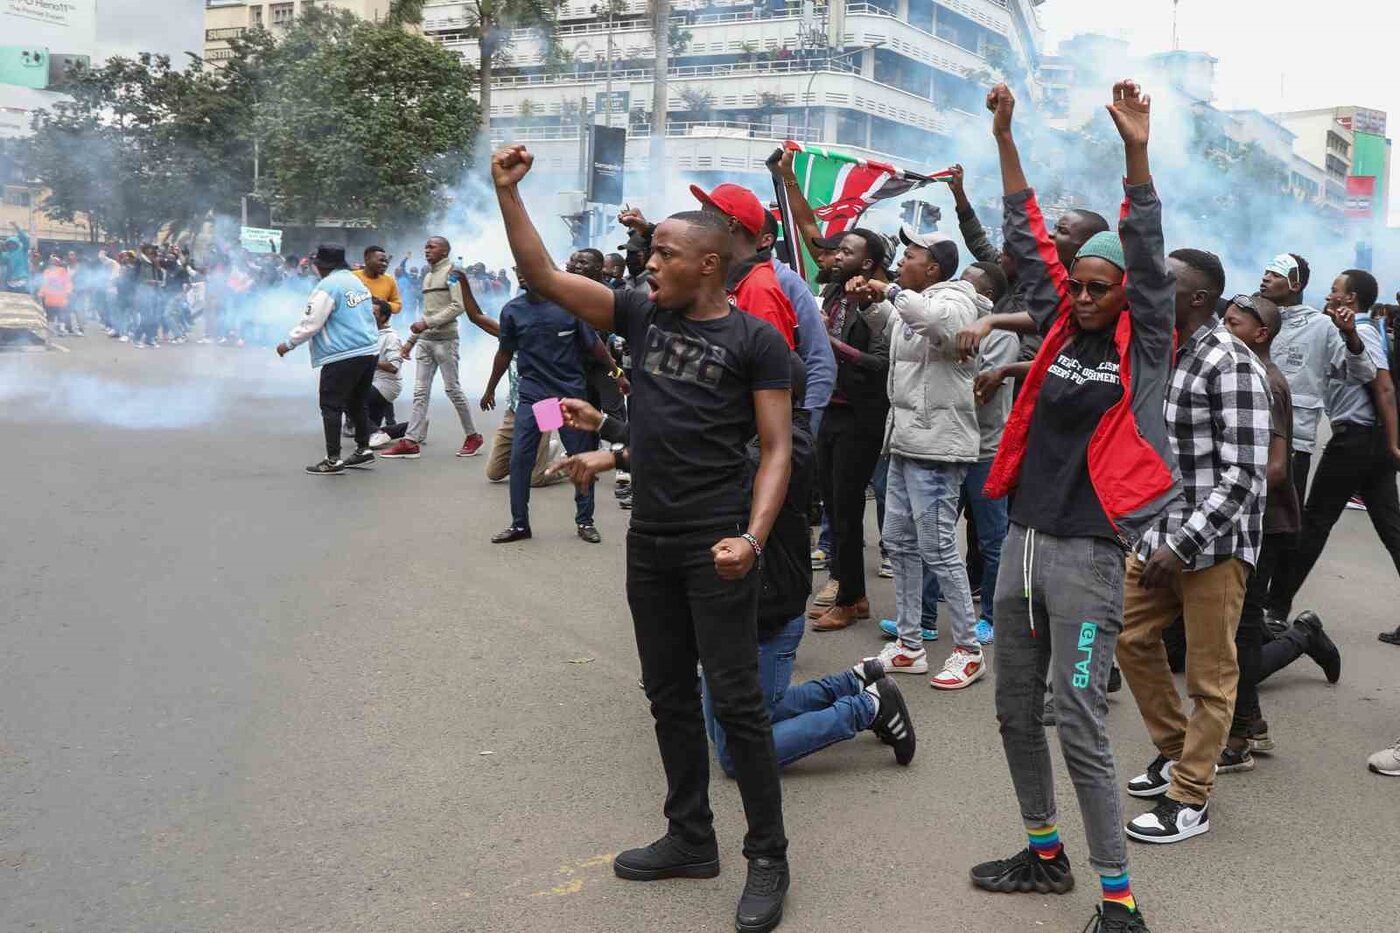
(705, 379)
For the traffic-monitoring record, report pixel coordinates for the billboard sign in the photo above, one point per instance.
(68, 26)
(608, 149)
(260, 239)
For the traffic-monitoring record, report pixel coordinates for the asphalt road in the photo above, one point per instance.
(235, 697)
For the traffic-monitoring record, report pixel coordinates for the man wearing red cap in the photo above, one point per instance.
(753, 283)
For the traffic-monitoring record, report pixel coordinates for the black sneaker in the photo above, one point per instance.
(1320, 647)
(1390, 638)
(1170, 821)
(761, 904)
(1115, 918)
(511, 534)
(1155, 780)
(1115, 679)
(590, 534)
(361, 457)
(1235, 759)
(1025, 872)
(327, 467)
(869, 671)
(892, 724)
(667, 857)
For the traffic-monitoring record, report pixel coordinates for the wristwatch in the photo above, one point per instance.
(892, 291)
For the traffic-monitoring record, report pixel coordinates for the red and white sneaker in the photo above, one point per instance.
(405, 449)
(898, 659)
(471, 446)
(960, 670)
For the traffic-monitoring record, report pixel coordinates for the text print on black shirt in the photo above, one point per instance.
(1067, 367)
(679, 356)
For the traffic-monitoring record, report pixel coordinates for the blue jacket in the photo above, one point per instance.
(813, 345)
(16, 260)
(339, 320)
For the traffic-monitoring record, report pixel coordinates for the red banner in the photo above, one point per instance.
(1361, 195)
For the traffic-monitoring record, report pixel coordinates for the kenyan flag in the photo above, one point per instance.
(840, 188)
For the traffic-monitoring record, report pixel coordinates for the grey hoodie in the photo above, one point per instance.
(1309, 351)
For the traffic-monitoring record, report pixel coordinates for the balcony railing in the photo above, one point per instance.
(785, 66)
(722, 129)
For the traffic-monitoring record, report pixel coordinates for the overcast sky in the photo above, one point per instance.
(174, 27)
(1274, 54)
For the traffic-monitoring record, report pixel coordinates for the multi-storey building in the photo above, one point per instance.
(891, 79)
(1349, 144)
(227, 19)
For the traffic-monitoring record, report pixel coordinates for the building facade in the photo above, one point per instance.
(228, 19)
(1350, 145)
(891, 79)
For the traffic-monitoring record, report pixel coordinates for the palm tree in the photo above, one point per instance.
(490, 23)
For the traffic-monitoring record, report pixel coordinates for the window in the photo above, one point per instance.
(282, 14)
(255, 16)
(17, 197)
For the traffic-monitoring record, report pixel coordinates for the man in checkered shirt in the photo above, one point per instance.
(1195, 562)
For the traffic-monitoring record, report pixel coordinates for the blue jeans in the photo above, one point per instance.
(806, 718)
(524, 447)
(928, 618)
(990, 518)
(921, 519)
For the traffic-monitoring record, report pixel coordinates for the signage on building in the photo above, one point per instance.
(68, 26)
(1368, 121)
(621, 101)
(608, 149)
(1361, 196)
(260, 239)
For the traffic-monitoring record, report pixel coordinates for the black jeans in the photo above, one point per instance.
(847, 450)
(1302, 463)
(682, 612)
(345, 386)
(1253, 633)
(1355, 462)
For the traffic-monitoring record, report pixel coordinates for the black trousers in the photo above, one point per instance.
(682, 612)
(847, 450)
(1253, 633)
(1302, 463)
(1355, 462)
(345, 386)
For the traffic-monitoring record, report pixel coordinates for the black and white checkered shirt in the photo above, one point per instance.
(1217, 412)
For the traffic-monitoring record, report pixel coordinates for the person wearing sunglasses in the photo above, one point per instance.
(1086, 459)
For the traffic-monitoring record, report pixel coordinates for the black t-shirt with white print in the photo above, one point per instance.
(1055, 495)
(691, 411)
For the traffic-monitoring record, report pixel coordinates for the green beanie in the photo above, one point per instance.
(1104, 245)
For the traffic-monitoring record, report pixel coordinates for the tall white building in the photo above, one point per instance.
(890, 79)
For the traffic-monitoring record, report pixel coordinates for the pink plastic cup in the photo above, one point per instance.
(549, 415)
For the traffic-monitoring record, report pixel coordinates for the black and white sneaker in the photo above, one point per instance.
(869, 671)
(1025, 872)
(327, 467)
(892, 724)
(1155, 780)
(363, 456)
(1170, 821)
(1115, 918)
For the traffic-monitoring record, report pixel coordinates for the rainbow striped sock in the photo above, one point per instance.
(1116, 890)
(1045, 841)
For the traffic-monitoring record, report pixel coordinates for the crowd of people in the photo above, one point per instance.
(1080, 398)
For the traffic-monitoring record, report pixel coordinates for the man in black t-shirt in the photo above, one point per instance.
(705, 379)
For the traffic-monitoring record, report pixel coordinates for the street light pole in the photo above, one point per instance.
(831, 59)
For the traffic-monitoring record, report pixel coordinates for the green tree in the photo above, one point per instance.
(359, 120)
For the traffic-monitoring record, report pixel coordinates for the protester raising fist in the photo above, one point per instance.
(510, 164)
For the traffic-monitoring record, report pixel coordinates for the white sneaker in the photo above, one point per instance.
(1170, 821)
(379, 439)
(898, 659)
(1386, 761)
(960, 670)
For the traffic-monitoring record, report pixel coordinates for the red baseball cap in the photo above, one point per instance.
(737, 202)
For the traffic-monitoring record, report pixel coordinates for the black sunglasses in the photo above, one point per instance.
(1096, 290)
(1246, 304)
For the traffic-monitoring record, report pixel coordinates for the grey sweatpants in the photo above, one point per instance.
(1072, 589)
(432, 356)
